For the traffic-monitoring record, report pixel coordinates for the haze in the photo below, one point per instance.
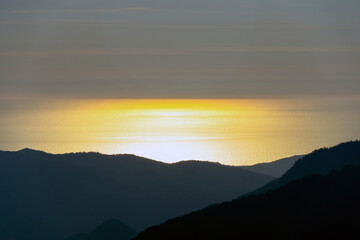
(296, 60)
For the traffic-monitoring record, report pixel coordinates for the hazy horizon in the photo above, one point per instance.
(283, 76)
(234, 132)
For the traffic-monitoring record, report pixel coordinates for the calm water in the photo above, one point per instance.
(233, 132)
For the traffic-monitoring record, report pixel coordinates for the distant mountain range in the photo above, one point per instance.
(321, 161)
(318, 198)
(276, 168)
(51, 197)
(112, 229)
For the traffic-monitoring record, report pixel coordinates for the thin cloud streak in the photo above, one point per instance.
(78, 10)
(185, 51)
(244, 26)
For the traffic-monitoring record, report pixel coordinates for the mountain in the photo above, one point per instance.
(276, 168)
(51, 197)
(306, 202)
(112, 229)
(315, 207)
(321, 161)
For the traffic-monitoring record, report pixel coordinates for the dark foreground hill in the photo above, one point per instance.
(321, 161)
(316, 207)
(51, 197)
(276, 168)
(306, 205)
(112, 229)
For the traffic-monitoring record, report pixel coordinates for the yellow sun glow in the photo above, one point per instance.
(229, 131)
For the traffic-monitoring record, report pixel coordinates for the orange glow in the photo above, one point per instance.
(233, 132)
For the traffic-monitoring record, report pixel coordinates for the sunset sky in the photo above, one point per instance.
(250, 81)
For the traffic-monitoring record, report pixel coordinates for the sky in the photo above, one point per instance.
(179, 49)
(294, 65)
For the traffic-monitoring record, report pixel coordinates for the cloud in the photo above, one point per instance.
(120, 9)
(155, 51)
(48, 53)
(78, 10)
(182, 49)
(41, 11)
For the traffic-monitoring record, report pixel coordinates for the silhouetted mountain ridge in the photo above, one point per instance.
(311, 205)
(320, 161)
(112, 229)
(276, 168)
(53, 196)
(317, 206)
